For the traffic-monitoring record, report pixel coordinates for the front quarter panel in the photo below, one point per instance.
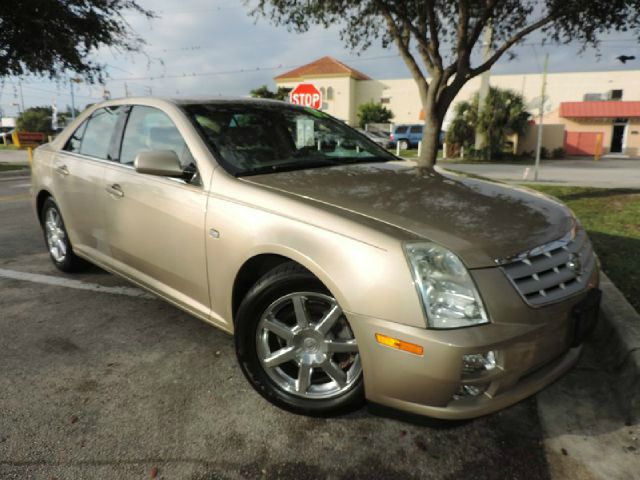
(364, 269)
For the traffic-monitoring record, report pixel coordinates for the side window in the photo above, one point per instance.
(96, 140)
(401, 130)
(416, 129)
(73, 144)
(151, 129)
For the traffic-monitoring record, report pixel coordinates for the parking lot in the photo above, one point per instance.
(101, 380)
(106, 384)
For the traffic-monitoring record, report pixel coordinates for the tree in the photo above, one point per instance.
(48, 37)
(436, 38)
(373, 112)
(35, 119)
(504, 113)
(263, 92)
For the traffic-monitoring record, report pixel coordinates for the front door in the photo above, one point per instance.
(156, 224)
(617, 137)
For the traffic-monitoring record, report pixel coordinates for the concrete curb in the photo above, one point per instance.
(22, 172)
(621, 331)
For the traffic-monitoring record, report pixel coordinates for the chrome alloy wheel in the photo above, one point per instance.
(306, 346)
(56, 238)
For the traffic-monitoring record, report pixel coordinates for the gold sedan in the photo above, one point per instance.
(343, 272)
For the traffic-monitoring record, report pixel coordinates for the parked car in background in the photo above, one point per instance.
(343, 272)
(381, 139)
(5, 135)
(408, 136)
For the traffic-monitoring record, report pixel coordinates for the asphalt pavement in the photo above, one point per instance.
(605, 173)
(103, 382)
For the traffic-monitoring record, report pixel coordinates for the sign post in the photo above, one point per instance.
(307, 95)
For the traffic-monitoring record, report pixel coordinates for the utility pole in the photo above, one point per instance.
(21, 96)
(541, 117)
(484, 81)
(126, 90)
(73, 100)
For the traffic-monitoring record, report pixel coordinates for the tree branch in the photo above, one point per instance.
(418, 76)
(509, 43)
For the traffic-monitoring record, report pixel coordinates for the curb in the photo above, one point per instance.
(22, 172)
(621, 335)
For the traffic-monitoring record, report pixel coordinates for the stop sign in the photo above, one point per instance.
(307, 95)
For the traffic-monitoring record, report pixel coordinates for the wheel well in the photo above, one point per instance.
(252, 270)
(42, 196)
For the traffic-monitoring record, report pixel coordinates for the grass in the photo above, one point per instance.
(8, 147)
(612, 219)
(6, 168)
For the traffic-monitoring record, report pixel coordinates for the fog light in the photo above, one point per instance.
(470, 391)
(478, 362)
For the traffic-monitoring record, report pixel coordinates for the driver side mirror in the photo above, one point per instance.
(164, 163)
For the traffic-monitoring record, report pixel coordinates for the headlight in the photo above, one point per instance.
(448, 293)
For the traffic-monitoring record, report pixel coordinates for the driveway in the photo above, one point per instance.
(606, 173)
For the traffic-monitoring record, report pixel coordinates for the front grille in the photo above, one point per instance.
(554, 271)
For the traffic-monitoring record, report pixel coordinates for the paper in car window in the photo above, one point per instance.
(304, 132)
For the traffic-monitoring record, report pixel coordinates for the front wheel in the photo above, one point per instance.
(295, 345)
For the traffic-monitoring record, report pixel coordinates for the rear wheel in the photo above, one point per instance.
(404, 145)
(57, 239)
(295, 345)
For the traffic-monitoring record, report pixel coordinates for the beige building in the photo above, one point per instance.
(582, 109)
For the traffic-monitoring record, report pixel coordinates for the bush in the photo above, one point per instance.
(558, 153)
(544, 153)
(373, 112)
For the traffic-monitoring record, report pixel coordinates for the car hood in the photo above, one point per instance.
(478, 219)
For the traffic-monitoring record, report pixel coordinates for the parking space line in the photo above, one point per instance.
(11, 198)
(70, 283)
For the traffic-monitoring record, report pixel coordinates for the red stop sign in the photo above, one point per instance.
(307, 95)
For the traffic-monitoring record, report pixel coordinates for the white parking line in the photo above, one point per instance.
(69, 283)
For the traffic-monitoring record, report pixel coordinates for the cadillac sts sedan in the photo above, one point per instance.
(344, 273)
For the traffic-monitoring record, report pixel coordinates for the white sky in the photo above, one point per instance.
(231, 53)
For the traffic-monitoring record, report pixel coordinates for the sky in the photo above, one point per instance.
(214, 47)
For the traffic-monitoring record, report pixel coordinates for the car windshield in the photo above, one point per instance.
(255, 139)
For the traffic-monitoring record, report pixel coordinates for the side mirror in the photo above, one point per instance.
(164, 163)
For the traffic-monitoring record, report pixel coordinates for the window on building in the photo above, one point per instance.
(329, 93)
(592, 97)
(385, 100)
(323, 92)
(615, 95)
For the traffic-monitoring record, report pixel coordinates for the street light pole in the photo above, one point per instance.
(73, 100)
(541, 117)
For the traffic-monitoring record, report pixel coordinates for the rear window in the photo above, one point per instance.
(401, 130)
(96, 140)
(416, 129)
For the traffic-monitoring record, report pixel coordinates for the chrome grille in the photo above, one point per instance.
(554, 271)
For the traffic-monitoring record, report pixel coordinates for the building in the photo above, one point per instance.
(582, 109)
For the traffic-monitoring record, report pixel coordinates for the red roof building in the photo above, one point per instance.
(325, 66)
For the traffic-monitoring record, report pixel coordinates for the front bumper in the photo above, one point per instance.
(533, 350)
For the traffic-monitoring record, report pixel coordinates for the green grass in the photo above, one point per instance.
(8, 147)
(612, 218)
(6, 168)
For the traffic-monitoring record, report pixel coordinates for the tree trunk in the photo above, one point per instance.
(430, 138)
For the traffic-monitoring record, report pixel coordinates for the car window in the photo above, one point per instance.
(96, 139)
(151, 129)
(401, 129)
(416, 129)
(254, 139)
(73, 144)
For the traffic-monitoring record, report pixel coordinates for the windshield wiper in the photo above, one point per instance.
(288, 167)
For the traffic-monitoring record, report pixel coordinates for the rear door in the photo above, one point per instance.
(415, 134)
(156, 229)
(78, 179)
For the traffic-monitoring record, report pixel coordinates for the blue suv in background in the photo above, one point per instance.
(408, 136)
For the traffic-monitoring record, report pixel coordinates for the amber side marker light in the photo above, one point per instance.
(399, 344)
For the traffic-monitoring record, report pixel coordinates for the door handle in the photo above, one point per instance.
(62, 170)
(115, 190)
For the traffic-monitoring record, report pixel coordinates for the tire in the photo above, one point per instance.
(404, 144)
(57, 239)
(306, 375)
